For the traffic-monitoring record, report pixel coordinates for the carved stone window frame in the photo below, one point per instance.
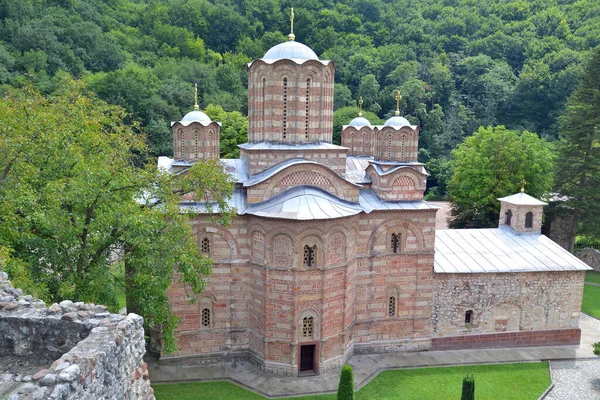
(207, 302)
(392, 292)
(319, 256)
(402, 234)
(316, 325)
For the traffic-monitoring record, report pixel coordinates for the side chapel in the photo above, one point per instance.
(333, 251)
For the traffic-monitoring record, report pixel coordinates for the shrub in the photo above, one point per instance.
(468, 389)
(346, 386)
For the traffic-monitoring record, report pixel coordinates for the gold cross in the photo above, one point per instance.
(360, 103)
(523, 182)
(398, 98)
(291, 36)
(196, 106)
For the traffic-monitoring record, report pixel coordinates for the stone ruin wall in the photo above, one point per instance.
(69, 350)
(589, 256)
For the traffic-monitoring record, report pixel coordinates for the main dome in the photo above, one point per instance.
(359, 121)
(291, 50)
(197, 116)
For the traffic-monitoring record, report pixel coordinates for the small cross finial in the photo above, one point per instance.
(523, 182)
(196, 106)
(291, 36)
(360, 103)
(398, 98)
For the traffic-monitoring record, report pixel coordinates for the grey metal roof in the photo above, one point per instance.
(355, 169)
(397, 121)
(289, 146)
(280, 167)
(290, 50)
(499, 250)
(359, 122)
(415, 166)
(369, 201)
(237, 168)
(237, 201)
(304, 203)
(523, 199)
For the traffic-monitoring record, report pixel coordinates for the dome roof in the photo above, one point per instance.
(397, 121)
(196, 116)
(359, 121)
(291, 50)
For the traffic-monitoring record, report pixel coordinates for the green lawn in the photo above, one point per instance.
(591, 300)
(592, 276)
(523, 381)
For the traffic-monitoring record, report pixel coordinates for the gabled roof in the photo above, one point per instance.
(499, 250)
(522, 199)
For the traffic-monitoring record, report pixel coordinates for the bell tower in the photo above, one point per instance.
(521, 212)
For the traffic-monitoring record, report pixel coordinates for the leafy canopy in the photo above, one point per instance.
(491, 164)
(73, 187)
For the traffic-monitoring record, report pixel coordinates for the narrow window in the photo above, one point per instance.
(508, 217)
(284, 108)
(182, 139)
(395, 240)
(307, 326)
(210, 143)
(402, 143)
(205, 317)
(389, 149)
(392, 306)
(307, 108)
(529, 220)
(468, 316)
(264, 100)
(364, 139)
(352, 143)
(205, 246)
(196, 143)
(309, 256)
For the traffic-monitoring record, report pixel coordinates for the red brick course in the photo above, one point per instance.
(554, 337)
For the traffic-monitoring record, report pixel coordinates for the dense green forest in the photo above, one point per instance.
(459, 64)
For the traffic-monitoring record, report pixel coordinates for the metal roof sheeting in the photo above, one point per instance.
(369, 201)
(522, 199)
(500, 250)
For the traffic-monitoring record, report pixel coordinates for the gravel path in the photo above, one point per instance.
(575, 380)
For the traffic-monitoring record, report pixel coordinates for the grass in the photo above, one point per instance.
(523, 381)
(591, 300)
(592, 276)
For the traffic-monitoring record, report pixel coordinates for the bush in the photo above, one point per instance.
(468, 389)
(346, 386)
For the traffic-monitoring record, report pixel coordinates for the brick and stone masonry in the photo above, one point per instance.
(69, 350)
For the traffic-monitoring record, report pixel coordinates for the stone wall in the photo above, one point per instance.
(589, 256)
(506, 302)
(69, 350)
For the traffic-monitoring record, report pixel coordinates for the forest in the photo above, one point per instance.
(459, 64)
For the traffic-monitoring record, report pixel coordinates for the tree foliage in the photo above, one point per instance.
(491, 164)
(346, 386)
(73, 188)
(578, 164)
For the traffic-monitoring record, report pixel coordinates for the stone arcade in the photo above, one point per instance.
(334, 252)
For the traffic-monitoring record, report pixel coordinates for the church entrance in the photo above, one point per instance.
(307, 358)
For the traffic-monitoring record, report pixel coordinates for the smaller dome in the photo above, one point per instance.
(197, 116)
(359, 122)
(290, 50)
(397, 121)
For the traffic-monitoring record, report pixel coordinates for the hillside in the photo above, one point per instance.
(458, 63)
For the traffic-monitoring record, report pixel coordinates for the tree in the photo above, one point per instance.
(346, 386)
(71, 191)
(578, 163)
(468, 388)
(491, 164)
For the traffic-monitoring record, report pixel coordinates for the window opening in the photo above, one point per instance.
(264, 100)
(364, 139)
(395, 240)
(389, 149)
(402, 143)
(205, 317)
(352, 143)
(508, 217)
(285, 108)
(307, 108)
(309, 256)
(391, 306)
(196, 143)
(307, 326)
(205, 245)
(210, 143)
(529, 220)
(468, 316)
(182, 137)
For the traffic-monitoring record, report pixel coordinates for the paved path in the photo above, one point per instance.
(366, 367)
(592, 283)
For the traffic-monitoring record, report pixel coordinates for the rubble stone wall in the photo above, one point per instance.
(88, 352)
(589, 256)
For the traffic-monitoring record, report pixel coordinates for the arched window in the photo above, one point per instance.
(206, 317)
(391, 306)
(310, 253)
(285, 84)
(468, 316)
(508, 218)
(395, 242)
(205, 247)
(264, 100)
(389, 147)
(307, 108)
(529, 220)
(307, 326)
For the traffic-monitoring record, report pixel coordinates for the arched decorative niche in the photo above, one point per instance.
(336, 248)
(282, 249)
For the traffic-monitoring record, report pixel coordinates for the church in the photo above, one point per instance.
(334, 252)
